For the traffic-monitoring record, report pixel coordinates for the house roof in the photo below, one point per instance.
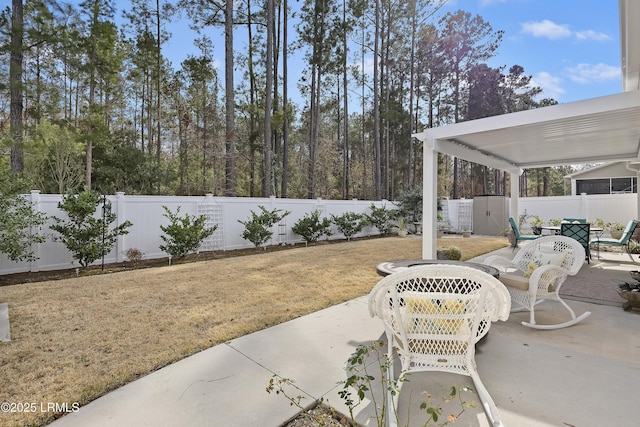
(594, 130)
(607, 170)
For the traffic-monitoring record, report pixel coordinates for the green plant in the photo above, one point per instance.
(86, 236)
(19, 224)
(410, 204)
(349, 223)
(452, 252)
(311, 228)
(523, 218)
(257, 227)
(381, 218)
(184, 234)
(536, 222)
(555, 222)
(360, 379)
(615, 226)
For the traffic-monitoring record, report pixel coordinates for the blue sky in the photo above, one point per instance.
(570, 47)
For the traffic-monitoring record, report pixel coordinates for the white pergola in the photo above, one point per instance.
(594, 130)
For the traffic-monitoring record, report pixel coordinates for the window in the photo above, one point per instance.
(607, 185)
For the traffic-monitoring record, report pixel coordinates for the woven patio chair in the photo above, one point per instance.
(433, 317)
(537, 272)
(518, 235)
(624, 240)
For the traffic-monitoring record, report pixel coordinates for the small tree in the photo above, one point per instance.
(257, 228)
(311, 228)
(87, 236)
(185, 233)
(411, 204)
(18, 223)
(349, 223)
(381, 218)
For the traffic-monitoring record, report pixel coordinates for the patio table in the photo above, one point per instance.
(389, 267)
(556, 229)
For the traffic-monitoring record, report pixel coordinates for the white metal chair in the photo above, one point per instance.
(537, 272)
(433, 317)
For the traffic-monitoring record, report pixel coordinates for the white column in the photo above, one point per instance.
(584, 206)
(515, 194)
(429, 201)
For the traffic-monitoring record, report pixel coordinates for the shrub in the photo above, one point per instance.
(18, 225)
(257, 228)
(349, 223)
(452, 252)
(86, 236)
(381, 218)
(134, 255)
(410, 204)
(184, 234)
(311, 228)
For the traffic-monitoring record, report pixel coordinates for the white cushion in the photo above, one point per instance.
(513, 281)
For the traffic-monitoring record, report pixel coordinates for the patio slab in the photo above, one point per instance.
(586, 375)
(5, 330)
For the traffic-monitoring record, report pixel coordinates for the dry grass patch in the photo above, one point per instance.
(76, 339)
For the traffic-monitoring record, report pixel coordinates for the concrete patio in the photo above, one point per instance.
(585, 375)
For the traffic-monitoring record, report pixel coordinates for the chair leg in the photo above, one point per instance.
(490, 409)
(568, 323)
(628, 249)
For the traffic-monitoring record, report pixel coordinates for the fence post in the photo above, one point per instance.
(584, 205)
(120, 212)
(34, 266)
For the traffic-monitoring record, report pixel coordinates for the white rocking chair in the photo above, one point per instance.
(548, 261)
(433, 317)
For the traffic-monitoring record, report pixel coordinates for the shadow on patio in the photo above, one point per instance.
(584, 375)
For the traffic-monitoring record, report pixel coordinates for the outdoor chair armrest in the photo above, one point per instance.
(548, 277)
(501, 263)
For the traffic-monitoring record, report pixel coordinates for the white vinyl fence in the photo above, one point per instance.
(608, 207)
(146, 215)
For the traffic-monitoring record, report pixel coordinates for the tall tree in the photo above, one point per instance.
(230, 134)
(268, 101)
(467, 41)
(285, 103)
(15, 83)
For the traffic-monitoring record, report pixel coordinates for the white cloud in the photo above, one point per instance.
(592, 35)
(550, 85)
(546, 28)
(551, 30)
(590, 73)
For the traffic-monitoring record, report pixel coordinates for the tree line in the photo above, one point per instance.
(88, 98)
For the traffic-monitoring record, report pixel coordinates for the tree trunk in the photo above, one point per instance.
(15, 83)
(376, 106)
(268, 101)
(345, 107)
(230, 129)
(158, 79)
(285, 107)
